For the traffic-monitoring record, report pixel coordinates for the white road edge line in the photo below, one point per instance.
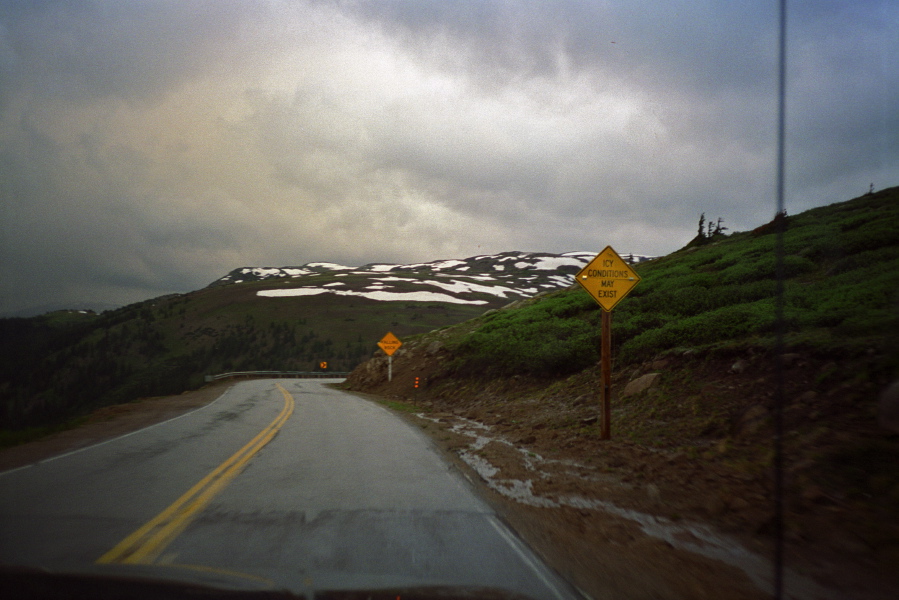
(525, 556)
(110, 440)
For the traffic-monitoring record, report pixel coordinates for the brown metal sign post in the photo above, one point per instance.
(605, 432)
(608, 279)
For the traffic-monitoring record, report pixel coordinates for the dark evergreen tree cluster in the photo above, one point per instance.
(53, 368)
(708, 231)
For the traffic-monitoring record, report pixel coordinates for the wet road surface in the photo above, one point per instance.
(277, 484)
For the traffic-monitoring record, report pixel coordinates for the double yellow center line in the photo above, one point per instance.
(147, 543)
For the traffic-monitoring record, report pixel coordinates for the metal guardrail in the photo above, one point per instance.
(279, 375)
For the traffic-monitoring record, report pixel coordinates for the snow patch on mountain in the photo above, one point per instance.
(493, 279)
(373, 295)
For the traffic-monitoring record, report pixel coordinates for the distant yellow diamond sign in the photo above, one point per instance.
(390, 344)
(608, 278)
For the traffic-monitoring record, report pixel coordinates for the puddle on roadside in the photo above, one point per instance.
(692, 537)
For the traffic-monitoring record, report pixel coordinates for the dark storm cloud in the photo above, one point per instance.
(706, 69)
(843, 91)
(77, 51)
(149, 147)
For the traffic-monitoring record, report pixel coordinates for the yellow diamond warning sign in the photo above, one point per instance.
(608, 278)
(390, 344)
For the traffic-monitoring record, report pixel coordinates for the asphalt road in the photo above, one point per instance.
(276, 484)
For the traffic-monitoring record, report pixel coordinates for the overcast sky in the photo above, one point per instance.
(151, 147)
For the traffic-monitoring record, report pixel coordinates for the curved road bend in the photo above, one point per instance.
(278, 483)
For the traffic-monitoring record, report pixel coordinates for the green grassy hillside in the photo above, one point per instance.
(841, 296)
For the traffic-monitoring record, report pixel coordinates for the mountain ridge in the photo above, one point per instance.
(509, 276)
(480, 263)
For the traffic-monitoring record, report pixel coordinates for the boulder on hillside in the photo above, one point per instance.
(740, 366)
(641, 384)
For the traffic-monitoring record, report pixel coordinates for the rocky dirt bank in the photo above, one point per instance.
(679, 504)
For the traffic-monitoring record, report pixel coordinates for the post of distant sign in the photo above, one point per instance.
(390, 344)
(608, 279)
